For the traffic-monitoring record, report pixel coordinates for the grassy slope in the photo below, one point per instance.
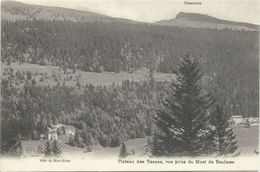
(104, 78)
(247, 138)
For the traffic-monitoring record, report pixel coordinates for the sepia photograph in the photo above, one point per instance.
(129, 85)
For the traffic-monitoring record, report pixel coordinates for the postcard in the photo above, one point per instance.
(120, 85)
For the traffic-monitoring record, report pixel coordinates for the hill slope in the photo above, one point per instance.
(197, 20)
(12, 10)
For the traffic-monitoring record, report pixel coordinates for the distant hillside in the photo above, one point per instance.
(197, 20)
(12, 10)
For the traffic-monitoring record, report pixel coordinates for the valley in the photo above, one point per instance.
(247, 145)
(86, 84)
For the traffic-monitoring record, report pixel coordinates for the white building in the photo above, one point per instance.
(52, 134)
(236, 119)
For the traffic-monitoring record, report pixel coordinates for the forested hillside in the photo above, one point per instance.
(229, 58)
(102, 115)
(13, 10)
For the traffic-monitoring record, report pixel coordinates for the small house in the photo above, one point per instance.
(52, 134)
(252, 120)
(69, 130)
(236, 119)
(42, 136)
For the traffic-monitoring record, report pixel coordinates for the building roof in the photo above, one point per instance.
(236, 116)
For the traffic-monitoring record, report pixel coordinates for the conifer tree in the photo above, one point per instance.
(48, 149)
(156, 146)
(56, 150)
(225, 138)
(123, 151)
(184, 121)
(19, 149)
(151, 79)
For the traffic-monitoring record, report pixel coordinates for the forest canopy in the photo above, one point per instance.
(228, 58)
(108, 115)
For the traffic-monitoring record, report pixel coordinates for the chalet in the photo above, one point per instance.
(69, 130)
(42, 136)
(236, 119)
(64, 129)
(252, 120)
(52, 133)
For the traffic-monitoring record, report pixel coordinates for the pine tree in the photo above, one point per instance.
(78, 139)
(48, 149)
(71, 141)
(123, 151)
(56, 150)
(184, 120)
(156, 146)
(17, 149)
(151, 79)
(225, 138)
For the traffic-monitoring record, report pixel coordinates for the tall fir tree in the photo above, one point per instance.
(185, 119)
(225, 138)
(56, 150)
(123, 151)
(48, 149)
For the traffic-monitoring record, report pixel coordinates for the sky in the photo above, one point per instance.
(155, 10)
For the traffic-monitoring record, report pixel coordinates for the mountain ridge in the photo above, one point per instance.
(13, 10)
(198, 20)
